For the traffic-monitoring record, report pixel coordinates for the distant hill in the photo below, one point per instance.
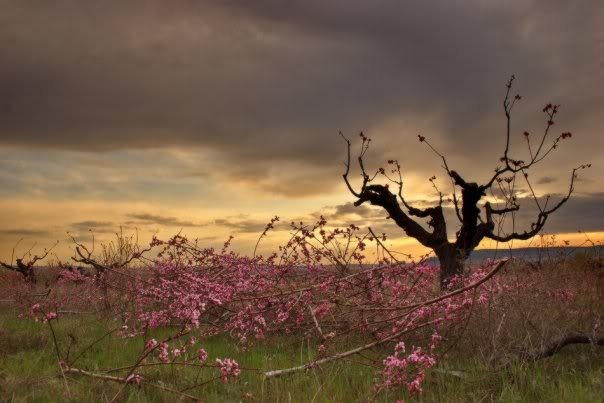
(532, 254)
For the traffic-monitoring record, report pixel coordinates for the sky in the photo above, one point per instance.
(211, 117)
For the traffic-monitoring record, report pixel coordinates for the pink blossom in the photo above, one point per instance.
(202, 355)
(134, 379)
(229, 369)
(435, 340)
(163, 352)
(151, 343)
(400, 347)
(51, 315)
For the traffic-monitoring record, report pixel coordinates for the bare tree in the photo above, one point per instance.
(114, 255)
(25, 264)
(473, 226)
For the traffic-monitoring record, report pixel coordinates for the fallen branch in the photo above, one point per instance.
(279, 372)
(414, 307)
(129, 381)
(314, 318)
(558, 344)
(461, 290)
(144, 355)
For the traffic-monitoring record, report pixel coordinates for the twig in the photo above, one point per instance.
(125, 382)
(279, 372)
(314, 318)
(180, 333)
(59, 361)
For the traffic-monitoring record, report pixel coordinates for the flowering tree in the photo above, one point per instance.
(473, 226)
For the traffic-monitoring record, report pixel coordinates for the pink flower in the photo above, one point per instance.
(229, 369)
(134, 379)
(400, 347)
(282, 316)
(152, 343)
(163, 352)
(415, 386)
(202, 355)
(436, 338)
(51, 315)
(407, 371)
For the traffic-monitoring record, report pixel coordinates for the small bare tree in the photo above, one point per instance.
(25, 264)
(114, 255)
(473, 227)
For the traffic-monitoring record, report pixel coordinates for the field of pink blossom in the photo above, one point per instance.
(315, 321)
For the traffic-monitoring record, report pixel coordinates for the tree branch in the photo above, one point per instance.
(558, 344)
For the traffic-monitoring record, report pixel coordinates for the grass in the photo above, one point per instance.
(29, 371)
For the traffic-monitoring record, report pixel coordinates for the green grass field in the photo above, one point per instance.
(29, 371)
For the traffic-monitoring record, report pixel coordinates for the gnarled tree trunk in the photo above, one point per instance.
(451, 261)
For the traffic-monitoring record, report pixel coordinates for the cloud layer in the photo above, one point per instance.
(267, 82)
(217, 101)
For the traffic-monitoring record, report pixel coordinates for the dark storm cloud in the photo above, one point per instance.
(271, 82)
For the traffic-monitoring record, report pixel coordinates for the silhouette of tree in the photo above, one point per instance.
(473, 226)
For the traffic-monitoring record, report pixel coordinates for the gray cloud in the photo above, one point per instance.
(546, 180)
(350, 208)
(92, 224)
(145, 218)
(23, 232)
(581, 213)
(83, 228)
(266, 83)
(242, 224)
(343, 211)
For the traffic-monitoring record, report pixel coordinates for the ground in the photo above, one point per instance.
(29, 371)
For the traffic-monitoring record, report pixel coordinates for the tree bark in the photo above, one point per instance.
(451, 261)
